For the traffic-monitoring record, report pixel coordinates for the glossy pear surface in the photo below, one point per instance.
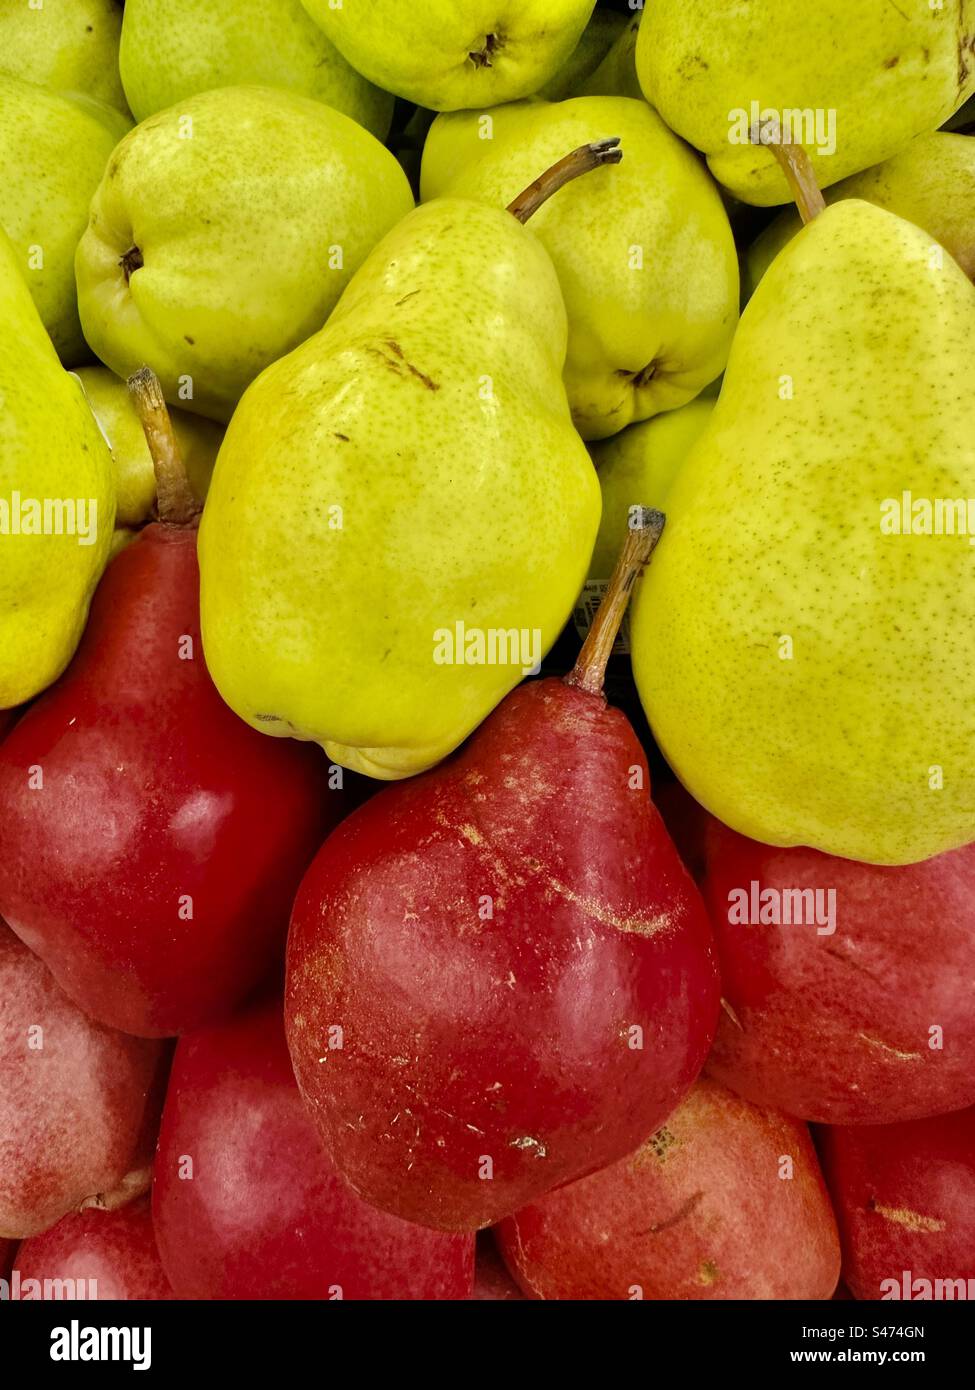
(53, 152)
(51, 451)
(172, 49)
(66, 45)
(410, 468)
(135, 481)
(294, 1229)
(875, 74)
(154, 869)
(807, 670)
(447, 55)
(272, 200)
(643, 250)
(520, 963)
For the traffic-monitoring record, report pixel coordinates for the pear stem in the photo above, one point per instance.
(797, 167)
(580, 161)
(175, 502)
(645, 529)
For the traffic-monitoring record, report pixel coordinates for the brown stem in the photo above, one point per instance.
(175, 502)
(134, 1184)
(580, 161)
(797, 167)
(589, 671)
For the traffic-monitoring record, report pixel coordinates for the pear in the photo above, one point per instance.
(931, 183)
(53, 152)
(135, 479)
(67, 45)
(57, 502)
(803, 652)
(172, 49)
(858, 82)
(597, 39)
(401, 514)
(638, 467)
(223, 233)
(448, 55)
(644, 253)
(616, 74)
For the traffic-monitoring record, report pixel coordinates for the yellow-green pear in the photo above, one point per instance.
(616, 74)
(53, 151)
(452, 54)
(644, 251)
(67, 45)
(803, 643)
(931, 183)
(135, 479)
(401, 514)
(224, 232)
(57, 502)
(172, 49)
(597, 39)
(636, 468)
(852, 83)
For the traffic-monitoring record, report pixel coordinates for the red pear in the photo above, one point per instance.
(96, 1255)
(150, 841)
(849, 996)
(726, 1201)
(247, 1205)
(905, 1202)
(79, 1103)
(500, 975)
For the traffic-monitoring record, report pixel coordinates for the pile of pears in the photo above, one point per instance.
(566, 413)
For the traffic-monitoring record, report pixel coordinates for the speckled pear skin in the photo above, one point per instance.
(239, 259)
(890, 69)
(431, 411)
(169, 51)
(44, 194)
(645, 335)
(447, 55)
(66, 45)
(774, 532)
(50, 448)
(931, 183)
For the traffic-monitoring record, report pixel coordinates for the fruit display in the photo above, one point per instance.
(487, 723)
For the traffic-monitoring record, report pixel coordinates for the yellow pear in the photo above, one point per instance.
(57, 503)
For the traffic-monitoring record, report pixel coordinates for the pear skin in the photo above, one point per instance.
(598, 38)
(873, 74)
(53, 152)
(51, 454)
(169, 52)
(272, 200)
(447, 56)
(66, 45)
(644, 251)
(637, 468)
(806, 668)
(931, 183)
(135, 481)
(411, 467)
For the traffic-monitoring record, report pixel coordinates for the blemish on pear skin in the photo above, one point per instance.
(707, 1273)
(912, 1221)
(681, 1214)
